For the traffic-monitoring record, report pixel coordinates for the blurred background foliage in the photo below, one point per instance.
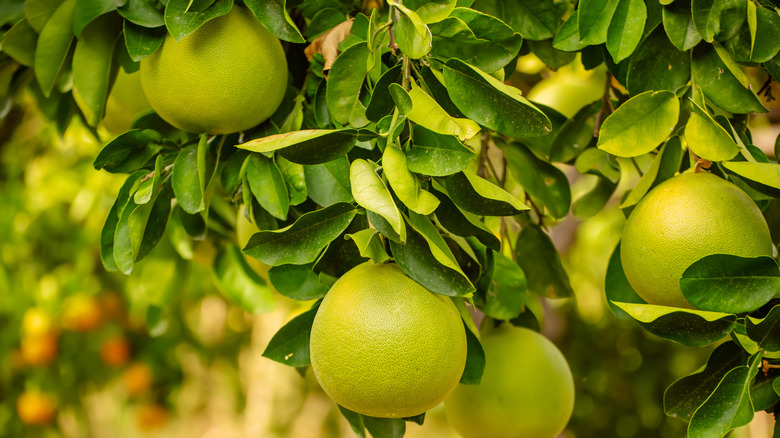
(88, 353)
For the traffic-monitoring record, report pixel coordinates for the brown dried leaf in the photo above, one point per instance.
(327, 44)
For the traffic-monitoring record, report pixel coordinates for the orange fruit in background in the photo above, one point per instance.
(682, 220)
(112, 306)
(151, 416)
(227, 76)
(383, 345)
(39, 350)
(36, 321)
(527, 389)
(137, 378)
(35, 408)
(115, 351)
(81, 313)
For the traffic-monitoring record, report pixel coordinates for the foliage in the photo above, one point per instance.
(399, 138)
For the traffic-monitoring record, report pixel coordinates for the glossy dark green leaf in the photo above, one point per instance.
(475, 355)
(539, 259)
(385, 427)
(308, 146)
(490, 103)
(706, 16)
(93, 67)
(369, 243)
(692, 328)
(626, 28)
(142, 13)
(592, 202)
(679, 25)
(476, 38)
(764, 177)
(664, 166)
(371, 193)
(142, 41)
(658, 65)
(268, 185)
(152, 227)
(412, 34)
(290, 344)
(129, 152)
(295, 179)
(765, 44)
(505, 299)
(616, 285)
(88, 10)
(108, 232)
(727, 87)
(186, 183)
(762, 393)
(463, 223)
(436, 154)
(422, 109)
(765, 331)
(274, 16)
(551, 56)
(684, 396)
(301, 242)
(53, 46)
(38, 12)
(19, 43)
(730, 284)
(544, 182)
(707, 138)
(439, 248)
(594, 17)
(574, 135)
(328, 183)
(183, 17)
(729, 406)
(568, 36)
(355, 421)
(431, 11)
(298, 282)
(406, 185)
(640, 124)
(479, 196)
(381, 103)
(240, 283)
(345, 81)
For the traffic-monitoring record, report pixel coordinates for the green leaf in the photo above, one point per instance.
(142, 13)
(568, 36)
(108, 232)
(684, 396)
(295, 179)
(765, 331)
(355, 421)
(426, 112)
(505, 299)
(658, 65)
(479, 196)
(301, 242)
(436, 154)
(762, 394)
(93, 67)
(533, 19)
(19, 43)
(371, 193)
(237, 281)
(53, 46)
(345, 80)
(142, 41)
(664, 166)
(730, 284)
(412, 34)
(594, 161)
(541, 180)
(616, 285)
(273, 14)
(129, 152)
(729, 406)
(551, 56)
(764, 176)
(626, 28)
(475, 355)
(574, 135)
(679, 25)
(463, 223)
(308, 146)
(183, 17)
(594, 17)
(381, 103)
(38, 12)
(405, 184)
(186, 182)
(707, 138)
(722, 81)
(765, 45)
(149, 228)
(88, 10)
(476, 38)
(492, 104)
(268, 185)
(592, 202)
(328, 183)
(712, 17)
(640, 124)
(692, 328)
(432, 11)
(369, 243)
(290, 344)
(537, 256)
(384, 427)
(298, 282)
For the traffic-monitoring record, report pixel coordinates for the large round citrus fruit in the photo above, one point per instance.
(682, 220)
(527, 389)
(384, 346)
(35, 408)
(227, 76)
